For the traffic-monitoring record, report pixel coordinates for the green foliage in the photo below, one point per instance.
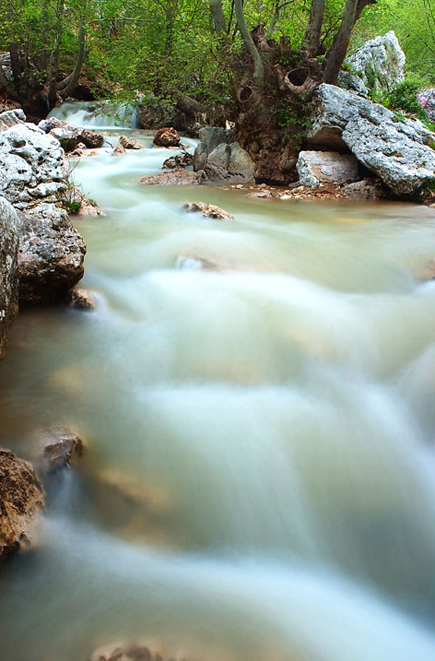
(72, 206)
(404, 96)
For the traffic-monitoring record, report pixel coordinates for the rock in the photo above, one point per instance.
(63, 447)
(118, 151)
(80, 205)
(166, 137)
(365, 189)
(230, 163)
(32, 166)
(200, 157)
(426, 99)
(129, 143)
(323, 167)
(182, 160)
(212, 136)
(81, 299)
(10, 225)
(181, 176)
(11, 118)
(34, 178)
(78, 151)
(91, 139)
(404, 165)
(124, 652)
(21, 501)
(154, 114)
(50, 257)
(208, 210)
(352, 82)
(197, 263)
(399, 152)
(70, 135)
(380, 62)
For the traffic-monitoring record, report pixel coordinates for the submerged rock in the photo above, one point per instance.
(10, 226)
(323, 167)
(63, 447)
(129, 143)
(123, 652)
(180, 176)
(399, 152)
(21, 501)
(167, 137)
(81, 299)
(208, 210)
(182, 160)
(380, 62)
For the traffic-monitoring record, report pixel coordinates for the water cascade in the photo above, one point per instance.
(101, 115)
(257, 400)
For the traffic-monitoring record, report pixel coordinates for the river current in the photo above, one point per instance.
(257, 398)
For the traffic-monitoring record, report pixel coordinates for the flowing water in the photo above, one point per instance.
(259, 476)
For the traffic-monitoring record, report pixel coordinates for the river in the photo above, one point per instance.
(259, 476)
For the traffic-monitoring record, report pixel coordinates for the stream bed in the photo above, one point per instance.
(257, 399)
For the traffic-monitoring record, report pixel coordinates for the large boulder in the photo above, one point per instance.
(426, 99)
(230, 163)
(10, 224)
(34, 179)
(21, 501)
(316, 168)
(50, 257)
(399, 152)
(380, 62)
(32, 166)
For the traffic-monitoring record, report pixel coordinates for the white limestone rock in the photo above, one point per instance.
(380, 62)
(316, 168)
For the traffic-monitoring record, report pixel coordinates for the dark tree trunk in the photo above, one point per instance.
(338, 50)
(311, 40)
(217, 15)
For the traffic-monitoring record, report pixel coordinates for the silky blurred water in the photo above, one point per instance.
(257, 402)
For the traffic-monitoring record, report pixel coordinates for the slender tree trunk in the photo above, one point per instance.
(311, 40)
(217, 14)
(246, 36)
(67, 87)
(337, 52)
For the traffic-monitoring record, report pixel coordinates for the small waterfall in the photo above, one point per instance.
(102, 115)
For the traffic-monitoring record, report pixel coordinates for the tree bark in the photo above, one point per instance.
(311, 40)
(337, 52)
(67, 86)
(248, 41)
(217, 14)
